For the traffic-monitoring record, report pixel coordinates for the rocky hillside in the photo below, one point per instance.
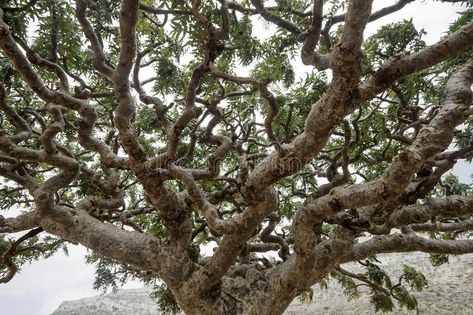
(123, 302)
(450, 291)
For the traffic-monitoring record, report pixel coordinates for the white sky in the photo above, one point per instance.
(43, 285)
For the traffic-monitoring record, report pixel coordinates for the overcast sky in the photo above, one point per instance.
(43, 285)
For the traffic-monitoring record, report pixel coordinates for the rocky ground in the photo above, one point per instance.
(450, 291)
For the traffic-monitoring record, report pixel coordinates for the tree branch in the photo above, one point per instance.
(126, 103)
(87, 112)
(10, 253)
(396, 243)
(308, 54)
(273, 18)
(22, 222)
(401, 66)
(100, 60)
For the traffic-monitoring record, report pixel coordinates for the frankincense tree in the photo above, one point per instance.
(144, 130)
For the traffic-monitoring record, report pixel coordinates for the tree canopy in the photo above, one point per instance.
(147, 130)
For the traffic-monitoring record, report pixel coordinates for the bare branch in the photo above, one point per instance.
(431, 140)
(9, 47)
(273, 18)
(373, 17)
(22, 222)
(401, 66)
(460, 226)
(232, 243)
(308, 54)
(450, 207)
(126, 103)
(407, 243)
(100, 61)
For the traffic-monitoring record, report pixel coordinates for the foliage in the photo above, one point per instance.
(166, 302)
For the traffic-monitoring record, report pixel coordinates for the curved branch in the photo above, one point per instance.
(10, 253)
(14, 118)
(232, 244)
(308, 54)
(159, 106)
(326, 113)
(87, 112)
(373, 17)
(100, 61)
(266, 237)
(265, 93)
(36, 59)
(273, 18)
